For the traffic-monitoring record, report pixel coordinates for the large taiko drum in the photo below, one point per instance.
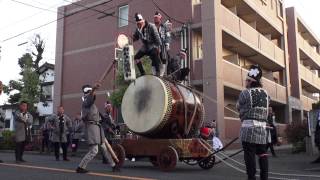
(158, 108)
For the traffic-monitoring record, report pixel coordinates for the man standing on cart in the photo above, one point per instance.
(150, 38)
(165, 36)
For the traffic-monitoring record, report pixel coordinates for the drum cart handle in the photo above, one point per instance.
(222, 149)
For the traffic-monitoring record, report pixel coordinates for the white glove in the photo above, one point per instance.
(167, 46)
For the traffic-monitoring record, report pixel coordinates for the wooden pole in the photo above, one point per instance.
(113, 154)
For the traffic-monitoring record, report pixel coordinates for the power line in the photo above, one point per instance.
(96, 10)
(67, 15)
(90, 8)
(157, 6)
(43, 4)
(30, 5)
(16, 22)
(87, 8)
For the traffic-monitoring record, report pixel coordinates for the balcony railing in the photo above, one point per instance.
(235, 76)
(308, 49)
(307, 102)
(309, 77)
(266, 13)
(248, 35)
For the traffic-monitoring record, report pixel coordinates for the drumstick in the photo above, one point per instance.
(106, 72)
(114, 156)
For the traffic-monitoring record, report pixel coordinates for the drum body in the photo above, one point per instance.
(157, 108)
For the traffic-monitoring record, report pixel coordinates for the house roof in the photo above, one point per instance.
(45, 67)
(9, 106)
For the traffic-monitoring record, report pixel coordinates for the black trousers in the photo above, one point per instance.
(270, 145)
(250, 151)
(154, 56)
(64, 147)
(19, 150)
(45, 143)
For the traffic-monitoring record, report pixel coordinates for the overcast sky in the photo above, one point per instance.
(16, 18)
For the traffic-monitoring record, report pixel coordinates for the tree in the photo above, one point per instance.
(39, 45)
(122, 85)
(28, 87)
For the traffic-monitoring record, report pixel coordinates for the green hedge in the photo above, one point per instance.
(296, 133)
(7, 140)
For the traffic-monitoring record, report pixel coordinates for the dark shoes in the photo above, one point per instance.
(316, 161)
(66, 159)
(20, 161)
(115, 169)
(105, 162)
(1, 161)
(81, 170)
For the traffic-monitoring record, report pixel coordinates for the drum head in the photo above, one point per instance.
(145, 104)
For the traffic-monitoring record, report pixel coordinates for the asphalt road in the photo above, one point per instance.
(41, 167)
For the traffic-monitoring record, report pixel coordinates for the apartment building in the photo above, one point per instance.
(304, 58)
(235, 35)
(224, 38)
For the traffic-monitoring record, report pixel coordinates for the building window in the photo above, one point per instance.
(280, 8)
(197, 45)
(46, 93)
(196, 2)
(123, 15)
(7, 124)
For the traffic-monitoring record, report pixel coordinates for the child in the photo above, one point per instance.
(210, 133)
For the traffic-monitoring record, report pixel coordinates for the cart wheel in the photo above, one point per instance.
(121, 154)
(167, 159)
(154, 161)
(207, 163)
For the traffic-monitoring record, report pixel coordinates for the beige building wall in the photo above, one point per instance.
(304, 58)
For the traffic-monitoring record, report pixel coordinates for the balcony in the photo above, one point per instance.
(310, 81)
(308, 52)
(265, 17)
(196, 13)
(196, 71)
(276, 91)
(240, 37)
(307, 102)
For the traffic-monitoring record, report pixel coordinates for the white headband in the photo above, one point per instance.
(87, 89)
